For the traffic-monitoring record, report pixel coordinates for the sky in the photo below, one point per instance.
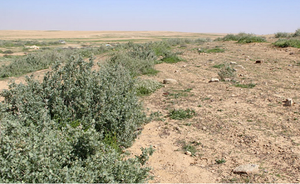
(199, 16)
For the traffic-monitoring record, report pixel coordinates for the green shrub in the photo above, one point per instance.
(287, 43)
(43, 153)
(297, 33)
(171, 58)
(147, 86)
(282, 35)
(181, 114)
(73, 92)
(69, 127)
(227, 72)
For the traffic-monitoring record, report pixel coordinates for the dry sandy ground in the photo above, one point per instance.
(238, 125)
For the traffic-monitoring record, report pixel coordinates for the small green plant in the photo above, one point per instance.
(147, 86)
(220, 161)
(227, 71)
(251, 85)
(215, 50)
(181, 114)
(219, 66)
(191, 148)
(156, 116)
(171, 58)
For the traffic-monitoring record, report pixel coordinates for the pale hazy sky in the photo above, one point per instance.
(202, 16)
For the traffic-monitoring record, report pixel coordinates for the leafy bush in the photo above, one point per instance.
(147, 86)
(287, 43)
(63, 129)
(282, 35)
(227, 72)
(181, 114)
(72, 92)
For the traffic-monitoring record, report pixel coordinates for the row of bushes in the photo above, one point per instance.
(70, 127)
(21, 43)
(242, 38)
(43, 59)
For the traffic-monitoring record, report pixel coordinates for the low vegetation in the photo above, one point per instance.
(287, 43)
(180, 114)
(242, 38)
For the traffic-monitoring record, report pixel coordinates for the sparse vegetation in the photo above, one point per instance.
(146, 87)
(250, 85)
(220, 161)
(180, 114)
(227, 71)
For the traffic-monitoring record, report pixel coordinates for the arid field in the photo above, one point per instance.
(243, 119)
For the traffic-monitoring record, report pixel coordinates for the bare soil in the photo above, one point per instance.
(233, 124)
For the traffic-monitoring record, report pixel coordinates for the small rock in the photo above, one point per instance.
(291, 53)
(188, 153)
(288, 102)
(204, 128)
(214, 80)
(233, 63)
(227, 79)
(170, 81)
(246, 169)
(258, 62)
(176, 71)
(240, 66)
(183, 66)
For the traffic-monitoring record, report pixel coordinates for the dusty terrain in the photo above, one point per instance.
(232, 124)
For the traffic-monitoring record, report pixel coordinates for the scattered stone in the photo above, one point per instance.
(227, 79)
(240, 66)
(288, 102)
(176, 71)
(188, 153)
(233, 63)
(183, 66)
(291, 53)
(169, 81)
(246, 169)
(204, 128)
(258, 62)
(214, 80)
